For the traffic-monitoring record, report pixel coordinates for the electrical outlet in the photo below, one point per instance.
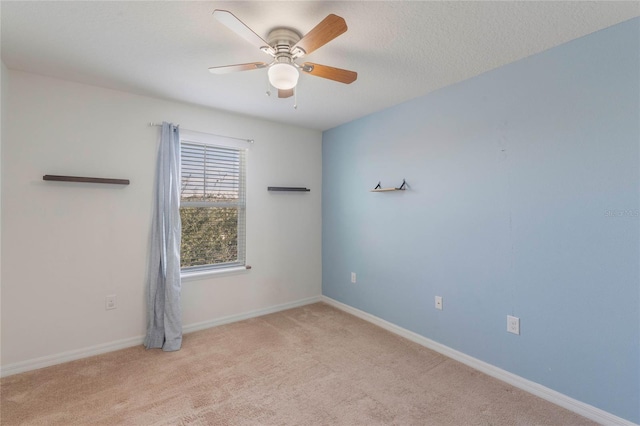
(513, 324)
(353, 277)
(439, 302)
(110, 302)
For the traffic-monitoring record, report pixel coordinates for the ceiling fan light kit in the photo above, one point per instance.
(283, 76)
(285, 46)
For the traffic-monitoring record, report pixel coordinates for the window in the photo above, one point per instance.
(212, 207)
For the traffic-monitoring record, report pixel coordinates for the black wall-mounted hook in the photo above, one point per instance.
(402, 188)
(378, 186)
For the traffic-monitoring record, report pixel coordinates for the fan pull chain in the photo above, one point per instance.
(268, 92)
(295, 97)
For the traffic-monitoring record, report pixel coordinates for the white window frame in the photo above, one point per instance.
(189, 274)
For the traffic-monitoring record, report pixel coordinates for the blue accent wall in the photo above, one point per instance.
(523, 200)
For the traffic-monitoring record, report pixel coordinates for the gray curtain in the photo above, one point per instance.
(164, 313)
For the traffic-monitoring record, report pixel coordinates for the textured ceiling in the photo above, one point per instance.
(400, 49)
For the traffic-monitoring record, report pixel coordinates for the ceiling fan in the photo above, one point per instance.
(285, 46)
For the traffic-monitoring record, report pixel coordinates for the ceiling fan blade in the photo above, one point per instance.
(237, 26)
(330, 27)
(335, 74)
(285, 93)
(238, 67)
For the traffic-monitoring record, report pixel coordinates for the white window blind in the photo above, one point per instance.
(212, 206)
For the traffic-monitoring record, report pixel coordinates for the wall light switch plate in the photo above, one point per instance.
(110, 302)
(513, 324)
(353, 277)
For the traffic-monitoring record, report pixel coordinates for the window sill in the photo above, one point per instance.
(201, 275)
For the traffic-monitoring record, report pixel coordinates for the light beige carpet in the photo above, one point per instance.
(313, 365)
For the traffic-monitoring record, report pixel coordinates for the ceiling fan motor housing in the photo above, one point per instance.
(282, 40)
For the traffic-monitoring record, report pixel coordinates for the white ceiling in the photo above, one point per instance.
(400, 49)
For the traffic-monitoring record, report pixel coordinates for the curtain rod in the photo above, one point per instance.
(212, 134)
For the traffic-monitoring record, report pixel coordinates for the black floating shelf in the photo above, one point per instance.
(287, 188)
(85, 179)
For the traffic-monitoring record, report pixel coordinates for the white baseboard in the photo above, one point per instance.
(252, 314)
(49, 360)
(586, 410)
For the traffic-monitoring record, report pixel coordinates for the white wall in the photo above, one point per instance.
(66, 246)
(4, 81)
